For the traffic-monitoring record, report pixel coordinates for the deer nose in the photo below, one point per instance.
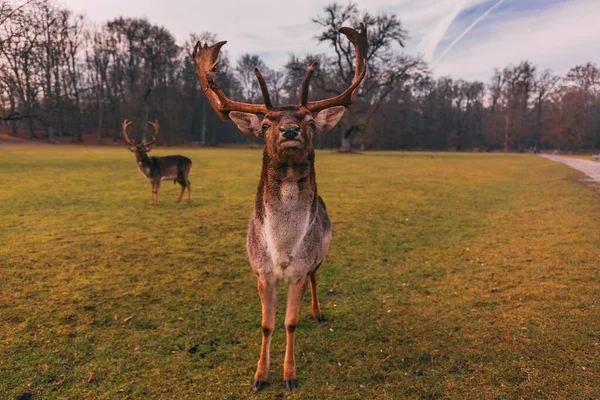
(290, 131)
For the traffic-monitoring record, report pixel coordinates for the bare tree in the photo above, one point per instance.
(275, 82)
(244, 72)
(387, 68)
(545, 85)
(582, 87)
(7, 11)
(20, 34)
(512, 90)
(586, 78)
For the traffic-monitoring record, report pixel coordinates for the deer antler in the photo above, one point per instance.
(125, 125)
(306, 83)
(206, 59)
(348, 96)
(264, 89)
(206, 64)
(156, 127)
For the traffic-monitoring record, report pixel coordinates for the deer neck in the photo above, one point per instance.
(286, 185)
(144, 160)
(145, 166)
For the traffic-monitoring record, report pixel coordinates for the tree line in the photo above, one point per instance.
(61, 77)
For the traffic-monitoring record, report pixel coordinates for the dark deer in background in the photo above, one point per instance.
(156, 169)
(289, 231)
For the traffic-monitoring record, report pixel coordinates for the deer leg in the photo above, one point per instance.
(315, 308)
(189, 188)
(181, 193)
(295, 293)
(268, 298)
(155, 187)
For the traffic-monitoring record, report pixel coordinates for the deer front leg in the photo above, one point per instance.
(295, 293)
(155, 187)
(189, 188)
(181, 193)
(315, 308)
(268, 298)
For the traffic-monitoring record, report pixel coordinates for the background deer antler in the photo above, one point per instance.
(125, 125)
(156, 127)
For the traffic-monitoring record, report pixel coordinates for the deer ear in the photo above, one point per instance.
(132, 149)
(248, 123)
(326, 119)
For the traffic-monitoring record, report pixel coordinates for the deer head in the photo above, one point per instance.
(287, 129)
(140, 149)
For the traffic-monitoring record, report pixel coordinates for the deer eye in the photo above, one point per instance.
(265, 127)
(312, 123)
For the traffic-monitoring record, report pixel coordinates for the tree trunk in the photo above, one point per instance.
(507, 131)
(203, 131)
(146, 115)
(13, 128)
(346, 143)
(30, 129)
(117, 132)
(539, 127)
(52, 134)
(99, 128)
(13, 123)
(78, 120)
(347, 131)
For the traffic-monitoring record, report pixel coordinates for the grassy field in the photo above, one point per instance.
(450, 276)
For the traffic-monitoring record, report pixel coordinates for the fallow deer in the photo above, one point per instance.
(289, 231)
(157, 169)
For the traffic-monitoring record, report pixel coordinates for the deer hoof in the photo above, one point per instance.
(320, 319)
(291, 384)
(258, 385)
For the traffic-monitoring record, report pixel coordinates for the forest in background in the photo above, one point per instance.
(62, 77)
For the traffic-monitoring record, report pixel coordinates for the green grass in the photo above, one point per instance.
(450, 276)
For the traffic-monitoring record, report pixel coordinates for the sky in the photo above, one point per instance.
(460, 38)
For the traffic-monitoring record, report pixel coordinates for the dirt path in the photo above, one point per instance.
(590, 168)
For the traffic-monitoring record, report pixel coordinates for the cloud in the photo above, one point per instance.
(558, 38)
(430, 42)
(426, 21)
(467, 30)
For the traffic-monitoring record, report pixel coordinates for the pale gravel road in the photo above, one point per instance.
(590, 168)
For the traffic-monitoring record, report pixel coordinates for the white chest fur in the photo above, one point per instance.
(144, 170)
(285, 225)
